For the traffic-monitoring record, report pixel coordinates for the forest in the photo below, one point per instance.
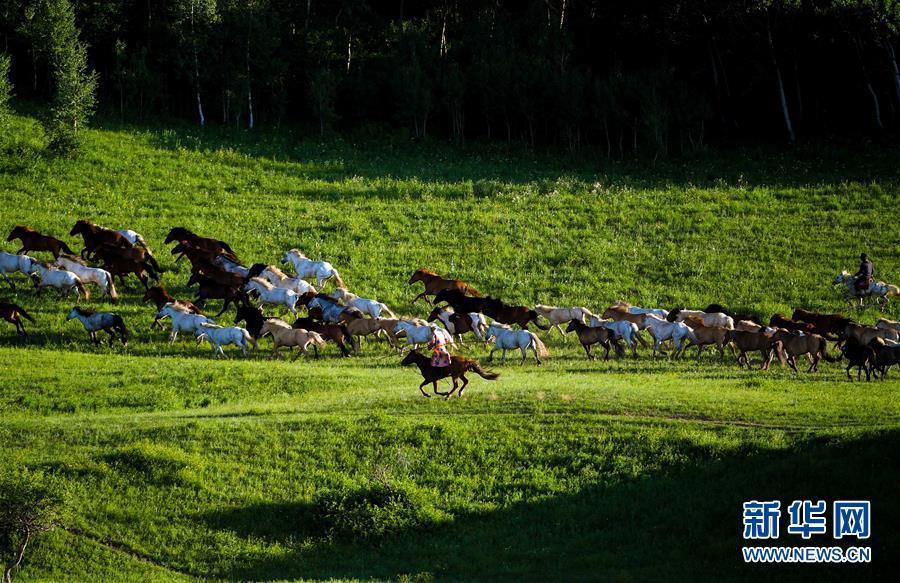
(621, 77)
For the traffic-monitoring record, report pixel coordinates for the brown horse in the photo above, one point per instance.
(14, 314)
(779, 321)
(34, 241)
(95, 235)
(210, 289)
(435, 283)
(160, 297)
(215, 273)
(506, 314)
(337, 333)
(216, 246)
(824, 323)
(813, 345)
(457, 369)
(589, 335)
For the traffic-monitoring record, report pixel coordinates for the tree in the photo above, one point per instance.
(28, 508)
(74, 84)
(323, 91)
(5, 89)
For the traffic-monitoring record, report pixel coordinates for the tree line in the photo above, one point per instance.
(619, 76)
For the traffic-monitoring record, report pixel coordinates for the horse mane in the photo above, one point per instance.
(504, 326)
(84, 311)
(73, 259)
(262, 282)
(425, 271)
(276, 271)
(697, 321)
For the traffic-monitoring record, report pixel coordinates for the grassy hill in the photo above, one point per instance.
(175, 466)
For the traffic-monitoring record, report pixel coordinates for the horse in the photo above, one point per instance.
(253, 317)
(95, 236)
(135, 238)
(639, 311)
(367, 326)
(337, 333)
(182, 321)
(460, 302)
(306, 267)
(231, 266)
(589, 335)
(885, 356)
(457, 369)
(736, 316)
(284, 335)
(217, 336)
(212, 245)
(506, 314)
(708, 335)
(558, 316)
(369, 307)
(65, 281)
(662, 330)
(717, 319)
(620, 313)
(93, 322)
(824, 323)
(14, 314)
(434, 283)
(886, 324)
(779, 321)
(279, 278)
(627, 331)
(160, 297)
(879, 290)
(749, 340)
(35, 241)
(271, 295)
(213, 290)
(10, 263)
(796, 344)
(864, 334)
(862, 356)
(459, 324)
(507, 338)
(327, 309)
(215, 273)
(101, 277)
(417, 334)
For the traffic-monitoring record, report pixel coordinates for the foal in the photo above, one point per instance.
(34, 241)
(14, 314)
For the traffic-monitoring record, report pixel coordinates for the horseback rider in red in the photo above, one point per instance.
(439, 355)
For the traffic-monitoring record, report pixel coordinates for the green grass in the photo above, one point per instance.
(175, 466)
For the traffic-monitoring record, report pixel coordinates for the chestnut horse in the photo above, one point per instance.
(435, 283)
(212, 245)
(95, 235)
(34, 241)
(457, 369)
(160, 297)
(14, 314)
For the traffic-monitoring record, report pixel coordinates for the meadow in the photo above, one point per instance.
(175, 466)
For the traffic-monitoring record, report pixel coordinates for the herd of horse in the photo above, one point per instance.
(344, 318)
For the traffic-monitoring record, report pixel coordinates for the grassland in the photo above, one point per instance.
(175, 466)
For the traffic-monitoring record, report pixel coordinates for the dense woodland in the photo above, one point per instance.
(622, 77)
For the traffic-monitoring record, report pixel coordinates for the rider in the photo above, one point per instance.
(863, 277)
(438, 345)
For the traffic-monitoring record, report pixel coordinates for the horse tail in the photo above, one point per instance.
(66, 248)
(83, 290)
(823, 350)
(640, 338)
(248, 338)
(892, 291)
(475, 366)
(25, 314)
(388, 311)
(337, 279)
(119, 326)
(541, 347)
(151, 260)
(472, 291)
(317, 338)
(534, 316)
(151, 271)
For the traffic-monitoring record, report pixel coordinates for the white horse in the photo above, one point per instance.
(639, 311)
(306, 267)
(627, 331)
(371, 307)
(271, 295)
(94, 322)
(558, 316)
(877, 289)
(65, 281)
(662, 330)
(421, 334)
(279, 278)
(231, 266)
(478, 323)
(507, 339)
(217, 336)
(134, 238)
(10, 263)
(182, 321)
(86, 274)
(711, 320)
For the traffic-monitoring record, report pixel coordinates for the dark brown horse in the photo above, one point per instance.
(506, 314)
(160, 297)
(457, 369)
(210, 289)
(460, 302)
(337, 333)
(95, 235)
(14, 314)
(435, 283)
(825, 323)
(589, 335)
(216, 246)
(124, 257)
(34, 241)
(215, 273)
(779, 321)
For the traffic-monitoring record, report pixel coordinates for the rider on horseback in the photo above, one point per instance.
(864, 277)
(440, 357)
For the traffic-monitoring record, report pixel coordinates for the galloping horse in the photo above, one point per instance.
(508, 338)
(219, 335)
(369, 307)
(160, 297)
(877, 289)
(95, 235)
(212, 245)
(34, 241)
(279, 278)
(10, 263)
(457, 369)
(306, 267)
(86, 274)
(435, 283)
(94, 322)
(65, 281)
(14, 314)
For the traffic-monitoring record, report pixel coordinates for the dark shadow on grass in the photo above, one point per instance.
(681, 524)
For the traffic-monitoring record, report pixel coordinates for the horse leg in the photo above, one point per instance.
(8, 280)
(463, 387)
(455, 386)
(422, 390)
(814, 365)
(587, 350)
(503, 356)
(434, 383)
(421, 295)
(561, 332)
(524, 353)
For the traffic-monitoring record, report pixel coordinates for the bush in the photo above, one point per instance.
(28, 508)
(5, 90)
